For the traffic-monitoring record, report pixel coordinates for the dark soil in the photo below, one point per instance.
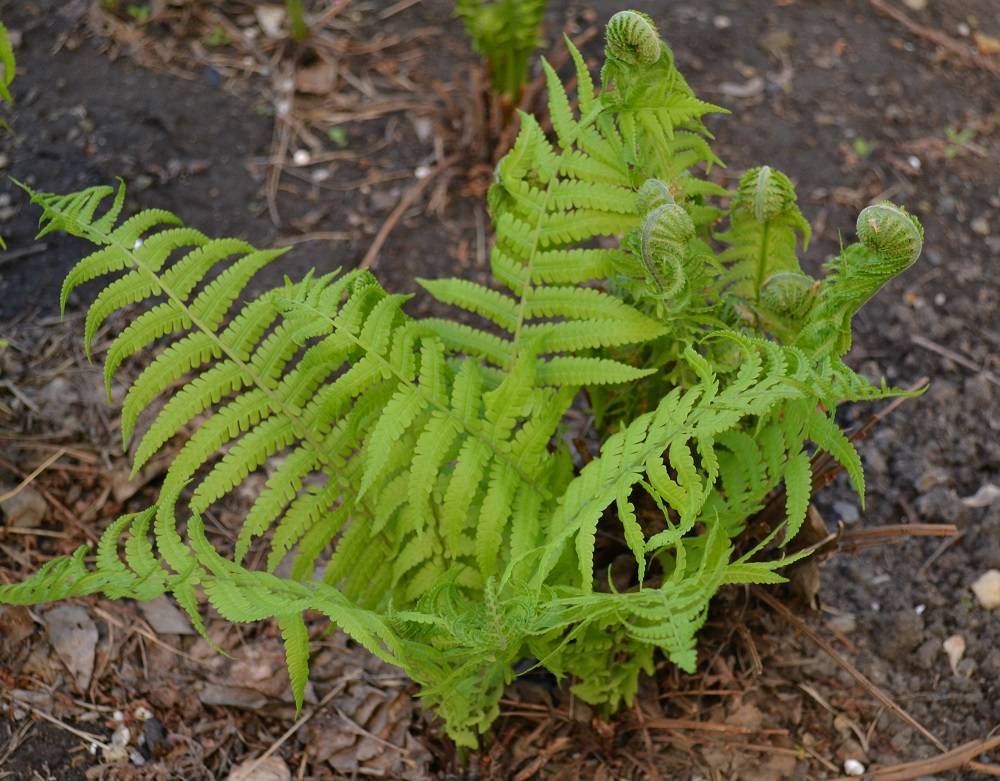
(848, 103)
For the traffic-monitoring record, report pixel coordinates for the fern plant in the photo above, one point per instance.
(505, 33)
(421, 490)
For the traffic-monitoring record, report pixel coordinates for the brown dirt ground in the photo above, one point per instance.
(850, 103)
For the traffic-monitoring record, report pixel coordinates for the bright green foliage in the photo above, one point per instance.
(297, 24)
(8, 63)
(420, 491)
(504, 33)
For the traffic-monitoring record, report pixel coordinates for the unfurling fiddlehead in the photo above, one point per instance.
(786, 299)
(765, 229)
(766, 193)
(632, 38)
(890, 241)
(788, 294)
(894, 235)
(666, 232)
(653, 194)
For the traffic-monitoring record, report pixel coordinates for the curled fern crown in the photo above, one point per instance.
(420, 491)
(632, 37)
(891, 233)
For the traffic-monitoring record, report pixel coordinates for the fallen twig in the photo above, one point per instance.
(95, 739)
(248, 771)
(950, 760)
(22, 252)
(965, 53)
(953, 356)
(858, 539)
(408, 199)
(937, 554)
(803, 628)
(396, 8)
(709, 726)
(279, 146)
(291, 241)
(37, 471)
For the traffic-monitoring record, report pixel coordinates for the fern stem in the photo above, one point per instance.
(523, 305)
(297, 20)
(758, 281)
(584, 123)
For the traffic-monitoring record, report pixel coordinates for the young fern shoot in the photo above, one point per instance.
(504, 33)
(426, 500)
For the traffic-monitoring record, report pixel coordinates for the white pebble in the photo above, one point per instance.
(121, 737)
(301, 157)
(853, 768)
(722, 22)
(422, 171)
(987, 589)
(963, 29)
(954, 647)
(914, 162)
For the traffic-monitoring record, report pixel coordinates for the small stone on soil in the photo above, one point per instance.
(271, 19)
(984, 497)
(270, 769)
(987, 589)
(981, 226)
(844, 623)
(73, 636)
(164, 618)
(25, 509)
(904, 631)
(954, 646)
(927, 653)
(847, 512)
